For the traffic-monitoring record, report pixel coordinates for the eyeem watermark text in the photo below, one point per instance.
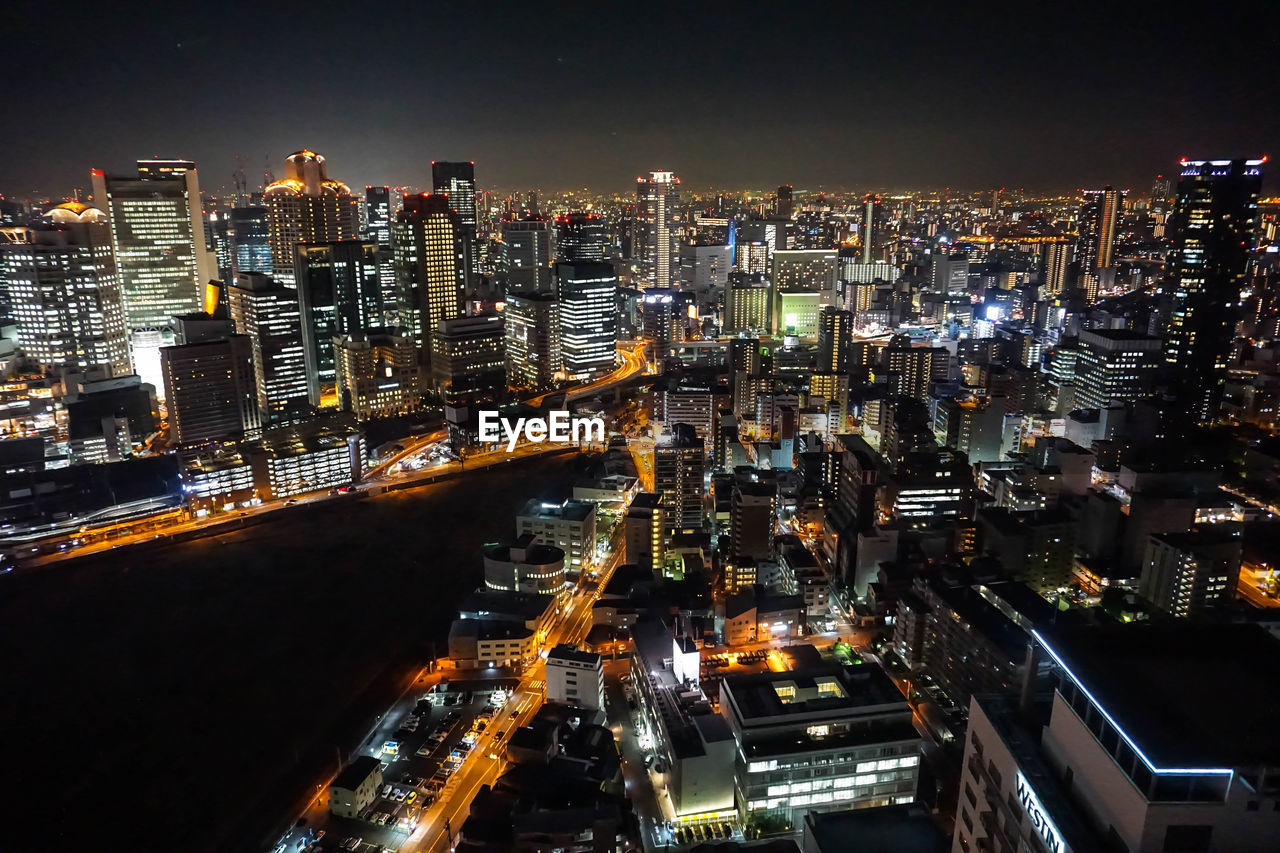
(560, 428)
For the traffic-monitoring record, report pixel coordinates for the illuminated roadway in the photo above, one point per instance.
(375, 480)
(432, 833)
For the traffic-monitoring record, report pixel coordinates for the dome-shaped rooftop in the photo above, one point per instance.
(75, 211)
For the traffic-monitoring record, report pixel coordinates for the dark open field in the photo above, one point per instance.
(169, 699)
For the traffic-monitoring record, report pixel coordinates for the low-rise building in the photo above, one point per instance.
(355, 787)
(527, 565)
(752, 615)
(695, 745)
(490, 643)
(575, 678)
(570, 526)
(820, 738)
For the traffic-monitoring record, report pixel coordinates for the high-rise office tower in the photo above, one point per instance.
(457, 180)
(678, 463)
(339, 292)
(915, 367)
(378, 214)
(267, 313)
(1114, 366)
(307, 206)
(704, 270)
(250, 234)
(870, 227)
(1214, 219)
(209, 390)
(657, 231)
(1055, 259)
(430, 252)
(588, 295)
(63, 292)
(157, 236)
(533, 338)
(748, 304)
(1161, 194)
(381, 206)
(835, 335)
(751, 256)
(581, 237)
(377, 373)
(468, 368)
(753, 517)
(783, 203)
(804, 271)
(950, 272)
(1097, 230)
(527, 253)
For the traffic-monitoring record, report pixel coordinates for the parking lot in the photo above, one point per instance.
(421, 742)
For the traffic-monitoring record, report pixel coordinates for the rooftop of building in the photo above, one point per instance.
(525, 551)
(566, 511)
(488, 629)
(887, 829)
(350, 777)
(1186, 695)
(493, 603)
(566, 652)
(826, 686)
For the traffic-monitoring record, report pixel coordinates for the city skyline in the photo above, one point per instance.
(911, 103)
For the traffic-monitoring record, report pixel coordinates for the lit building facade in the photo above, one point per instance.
(63, 291)
(656, 241)
(1214, 220)
(210, 390)
(307, 206)
(527, 253)
(820, 738)
(157, 237)
(430, 258)
(377, 373)
(267, 312)
(532, 339)
(339, 294)
(587, 294)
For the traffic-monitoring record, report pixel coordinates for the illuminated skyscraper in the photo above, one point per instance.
(267, 313)
(678, 465)
(430, 252)
(748, 304)
(588, 295)
(533, 338)
(835, 336)
(209, 390)
(339, 293)
(581, 237)
(657, 230)
(306, 206)
(526, 253)
(63, 291)
(870, 229)
(783, 204)
(378, 214)
(1214, 218)
(457, 180)
(157, 236)
(468, 368)
(1097, 230)
(805, 271)
(250, 235)
(381, 206)
(1055, 260)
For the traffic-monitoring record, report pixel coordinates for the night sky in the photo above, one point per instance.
(838, 94)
